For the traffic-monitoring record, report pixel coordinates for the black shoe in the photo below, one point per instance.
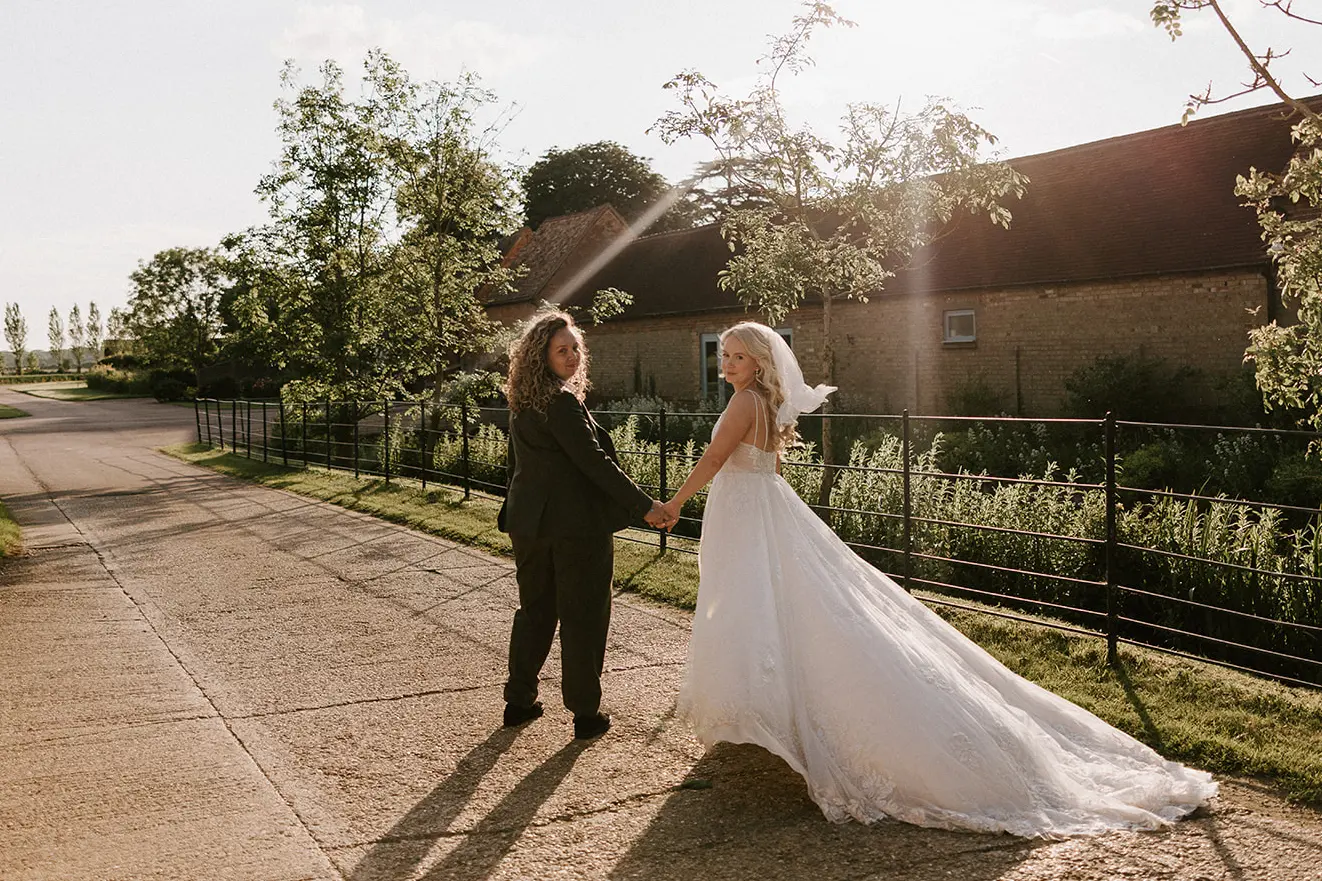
(515, 715)
(588, 727)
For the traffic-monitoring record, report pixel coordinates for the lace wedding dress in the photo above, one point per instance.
(803, 648)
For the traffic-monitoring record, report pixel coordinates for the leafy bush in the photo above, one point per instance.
(1136, 388)
(123, 361)
(488, 449)
(1296, 480)
(262, 387)
(225, 387)
(680, 427)
(168, 388)
(974, 397)
(1006, 449)
(111, 379)
(1162, 464)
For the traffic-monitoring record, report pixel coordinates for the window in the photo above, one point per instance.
(713, 386)
(960, 326)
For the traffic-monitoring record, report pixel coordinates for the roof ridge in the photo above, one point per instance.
(1219, 119)
(675, 232)
(572, 214)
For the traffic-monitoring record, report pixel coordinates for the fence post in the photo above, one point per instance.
(661, 430)
(1112, 613)
(908, 503)
(266, 447)
(220, 425)
(463, 433)
(356, 454)
(284, 433)
(385, 440)
(206, 409)
(422, 441)
(197, 419)
(328, 436)
(234, 425)
(303, 435)
(247, 430)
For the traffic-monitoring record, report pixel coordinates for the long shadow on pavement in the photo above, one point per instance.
(403, 849)
(743, 813)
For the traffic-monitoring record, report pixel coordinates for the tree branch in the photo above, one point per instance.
(1259, 67)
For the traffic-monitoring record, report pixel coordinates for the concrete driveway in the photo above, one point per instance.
(202, 679)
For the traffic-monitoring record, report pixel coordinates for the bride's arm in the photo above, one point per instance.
(733, 428)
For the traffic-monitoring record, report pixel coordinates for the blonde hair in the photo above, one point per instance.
(767, 380)
(531, 384)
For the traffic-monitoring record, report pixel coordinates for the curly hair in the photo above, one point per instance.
(767, 380)
(531, 385)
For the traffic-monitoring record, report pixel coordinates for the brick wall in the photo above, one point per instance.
(890, 352)
(637, 356)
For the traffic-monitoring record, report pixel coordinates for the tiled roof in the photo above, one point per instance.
(1147, 203)
(1153, 202)
(666, 273)
(546, 250)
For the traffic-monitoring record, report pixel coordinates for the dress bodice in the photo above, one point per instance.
(750, 457)
(747, 457)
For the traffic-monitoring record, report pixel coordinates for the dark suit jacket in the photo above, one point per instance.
(564, 479)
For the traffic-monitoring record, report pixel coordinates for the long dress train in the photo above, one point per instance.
(802, 647)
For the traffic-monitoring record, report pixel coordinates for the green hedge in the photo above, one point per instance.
(14, 379)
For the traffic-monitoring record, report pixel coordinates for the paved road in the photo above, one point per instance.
(205, 679)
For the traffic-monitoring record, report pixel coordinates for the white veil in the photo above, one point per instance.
(799, 396)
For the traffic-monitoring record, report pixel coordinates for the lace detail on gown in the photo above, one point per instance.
(886, 710)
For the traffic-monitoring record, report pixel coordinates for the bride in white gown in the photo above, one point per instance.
(886, 710)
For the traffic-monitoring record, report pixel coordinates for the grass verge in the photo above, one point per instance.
(76, 393)
(1218, 719)
(10, 538)
(8, 412)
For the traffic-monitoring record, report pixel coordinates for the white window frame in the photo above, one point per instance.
(721, 385)
(948, 337)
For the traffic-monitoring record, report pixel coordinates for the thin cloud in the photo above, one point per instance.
(428, 45)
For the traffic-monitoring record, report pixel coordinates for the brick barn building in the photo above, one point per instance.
(1130, 245)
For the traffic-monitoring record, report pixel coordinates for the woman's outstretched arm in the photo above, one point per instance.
(736, 422)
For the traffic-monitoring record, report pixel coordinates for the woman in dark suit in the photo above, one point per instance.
(566, 497)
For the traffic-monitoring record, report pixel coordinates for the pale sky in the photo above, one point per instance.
(131, 127)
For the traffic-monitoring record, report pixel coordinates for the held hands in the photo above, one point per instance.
(660, 516)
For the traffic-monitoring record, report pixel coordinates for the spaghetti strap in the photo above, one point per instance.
(761, 433)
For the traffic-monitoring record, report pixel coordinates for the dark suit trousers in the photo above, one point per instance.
(568, 580)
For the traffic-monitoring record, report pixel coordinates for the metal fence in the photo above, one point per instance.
(1118, 587)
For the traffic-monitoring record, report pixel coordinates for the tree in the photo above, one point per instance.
(454, 203)
(826, 221)
(566, 181)
(16, 334)
(94, 336)
(32, 361)
(55, 335)
(174, 308)
(325, 251)
(1287, 359)
(386, 212)
(116, 328)
(77, 337)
